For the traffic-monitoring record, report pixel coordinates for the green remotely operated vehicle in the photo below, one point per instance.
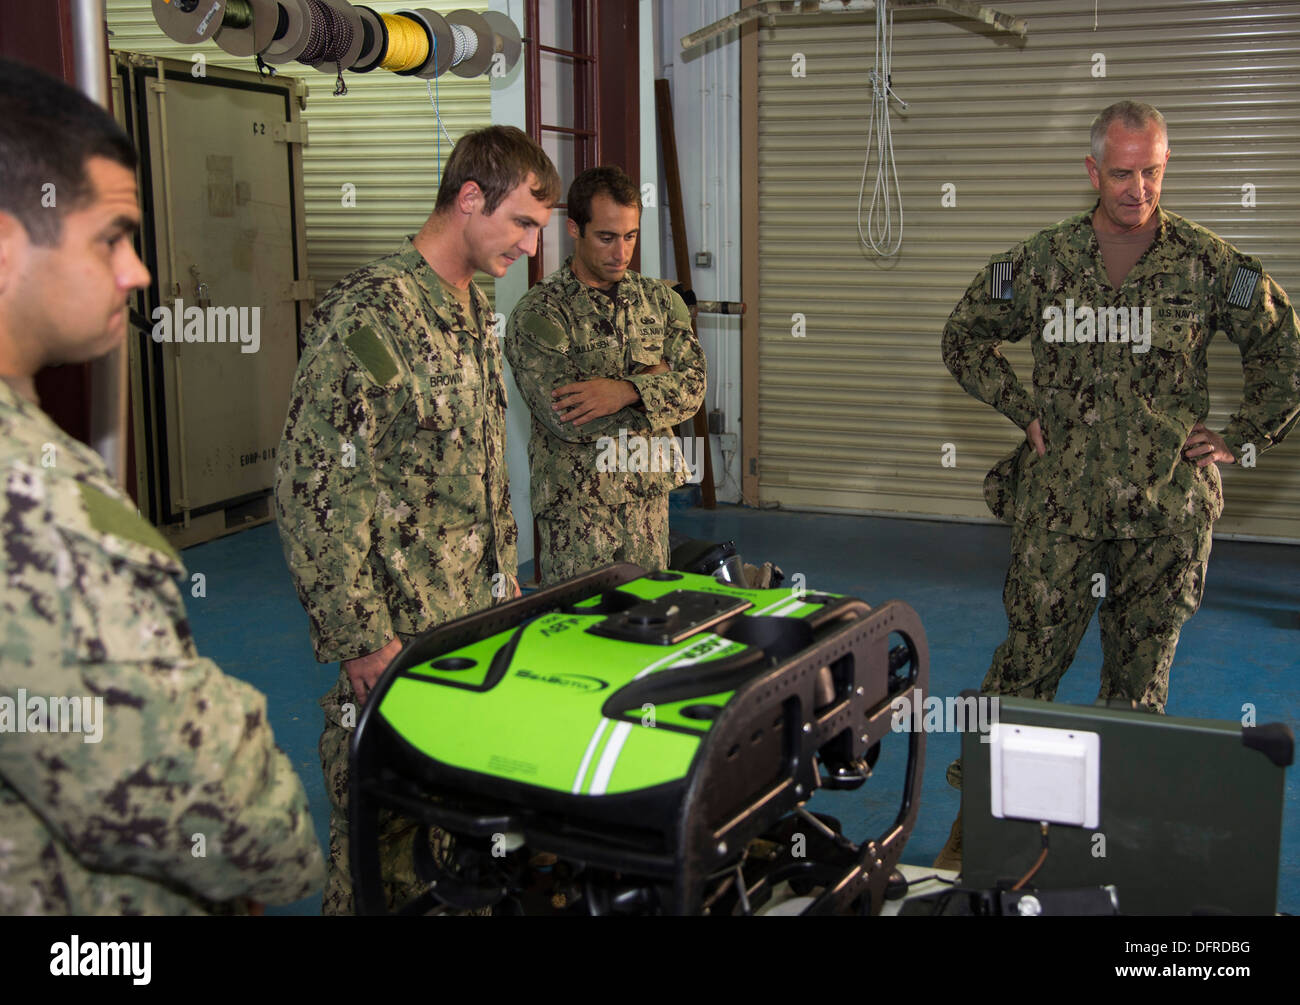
(632, 742)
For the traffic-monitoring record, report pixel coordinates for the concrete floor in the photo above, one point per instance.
(1242, 646)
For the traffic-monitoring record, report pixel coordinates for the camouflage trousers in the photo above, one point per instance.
(1147, 588)
(575, 540)
(396, 834)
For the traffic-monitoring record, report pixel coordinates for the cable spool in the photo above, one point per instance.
(334, 36)
(375, 44)
(191, 21)
(440, 43)
(506, 40)
(248, 26)
(473, 43)
(409, 44)
(294, 16)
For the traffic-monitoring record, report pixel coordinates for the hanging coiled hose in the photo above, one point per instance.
(884, 232)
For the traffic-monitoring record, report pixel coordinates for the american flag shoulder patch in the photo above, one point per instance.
(1001, 280)
(1241, 291)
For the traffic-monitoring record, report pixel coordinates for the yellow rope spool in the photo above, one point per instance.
(408, 45)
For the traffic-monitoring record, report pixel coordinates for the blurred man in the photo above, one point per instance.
(135, 777)
(608, 363)
(392, 488)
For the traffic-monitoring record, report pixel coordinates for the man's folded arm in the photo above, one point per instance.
(536, 345)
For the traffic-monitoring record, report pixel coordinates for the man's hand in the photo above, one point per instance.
(589, 400)
(1034, 433)
(1205, 446)
(650, 371)
(364, 671)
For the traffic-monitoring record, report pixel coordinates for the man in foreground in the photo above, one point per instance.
(135, 777)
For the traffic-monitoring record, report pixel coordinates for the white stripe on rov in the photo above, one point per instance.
(704, 647)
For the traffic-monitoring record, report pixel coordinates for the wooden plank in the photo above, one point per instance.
(804, 8)
(672, 175)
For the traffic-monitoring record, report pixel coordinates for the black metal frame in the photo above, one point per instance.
(680, 837)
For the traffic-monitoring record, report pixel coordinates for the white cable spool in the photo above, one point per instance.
(474, 45)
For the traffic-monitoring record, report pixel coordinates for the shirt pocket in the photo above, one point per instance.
(646, 348)
(1173, 328)
(449, 434)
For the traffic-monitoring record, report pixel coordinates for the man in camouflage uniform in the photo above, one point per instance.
(608, 363)
(135, 777)
(392, 488)
(1118, 476)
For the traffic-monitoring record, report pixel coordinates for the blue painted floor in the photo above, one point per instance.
(1243, 646)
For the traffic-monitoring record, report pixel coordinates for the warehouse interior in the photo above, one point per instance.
(826, 224)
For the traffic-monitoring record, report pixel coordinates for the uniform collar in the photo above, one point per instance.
(575, 287)
(14, 403)
(1074, 242)
(418, 267)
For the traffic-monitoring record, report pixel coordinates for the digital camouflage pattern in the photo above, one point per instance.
(563, 331)
(392, 490)
(1152, 586)
(1115, 419)
(576, 540)
(184, 805)
(1113, 497)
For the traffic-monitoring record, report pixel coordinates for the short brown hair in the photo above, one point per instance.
(498, 159)
(612, 181)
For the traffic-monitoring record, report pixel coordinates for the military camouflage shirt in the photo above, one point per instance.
(392, 489)
(135, 777)
(563, 331)
(1120, 375)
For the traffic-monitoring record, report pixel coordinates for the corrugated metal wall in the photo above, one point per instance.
(381, 137)
(855, 414)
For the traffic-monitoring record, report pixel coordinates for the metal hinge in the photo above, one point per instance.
(299, 289)
(290, 132)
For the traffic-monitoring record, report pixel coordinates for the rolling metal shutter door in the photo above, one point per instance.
(855, 414)
(381, 137)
